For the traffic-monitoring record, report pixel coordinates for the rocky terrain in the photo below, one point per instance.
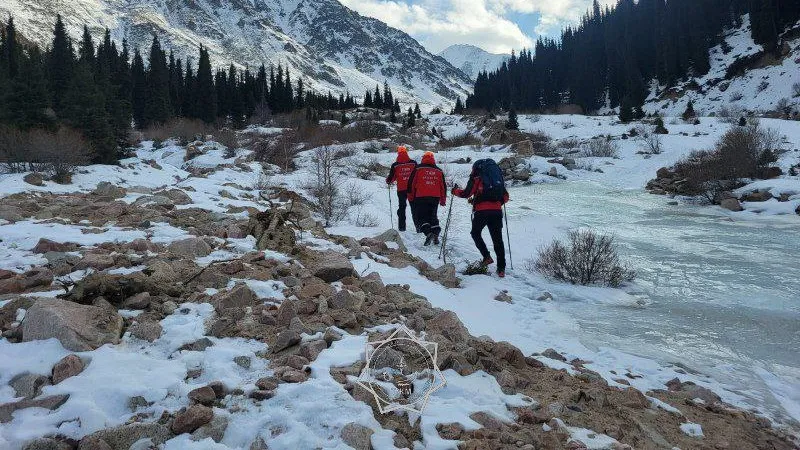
(199, 309)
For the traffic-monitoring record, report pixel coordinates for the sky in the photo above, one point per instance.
(497, 26)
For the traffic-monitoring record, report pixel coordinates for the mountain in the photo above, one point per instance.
(330, 46)
(472, 60)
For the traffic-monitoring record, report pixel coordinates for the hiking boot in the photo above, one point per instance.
(436, 239)
(429, 239)
(501, 273)
(487, 261)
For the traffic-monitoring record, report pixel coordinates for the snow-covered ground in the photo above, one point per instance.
(714, 302)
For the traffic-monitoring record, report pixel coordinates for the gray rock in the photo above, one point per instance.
(124, 436)
(106, 189)
(191, 419)
(28, 385)
(267, 383)
(79, 328)
(448, 325)
(286, 339)
(138, 301)
(357, 436)
(51, 402)
(333, 267)
(546, 296)
(198, 345)
(286, 312)
(177, 196)
(553, 172)
(34, 178)
(345, 299)
(392, 236)
(46, 444)
(190, 248)
(214, 430)
(731, 204)
(146, 331)
(243, 361)
(203, 395)
(169, 307)
(93, 443)
(311, 350)
(239, 297)
(69, 366)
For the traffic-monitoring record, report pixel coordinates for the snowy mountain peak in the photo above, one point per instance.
(471, 59)
(330, 46)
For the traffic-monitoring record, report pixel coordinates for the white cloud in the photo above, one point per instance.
(438, 24)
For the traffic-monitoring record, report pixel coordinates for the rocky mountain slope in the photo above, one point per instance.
(472, 60)
(332, 47)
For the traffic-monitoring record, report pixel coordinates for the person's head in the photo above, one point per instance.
(402, 153)
(428, 158)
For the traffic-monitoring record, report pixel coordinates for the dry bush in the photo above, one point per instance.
(279, 151)
(796, 90)
(13, 149)
(55, 154)
(328, 196)
(184, 130)
(651, 143)
(730, 114)
(369, 168)
(475, 268)
(318, 136)
(587, 258)
(742, 153)
(229, 139)
(460, 140)
(366, 219)
(600, 147)
(568, 144)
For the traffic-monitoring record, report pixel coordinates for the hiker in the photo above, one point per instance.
(400, 172)
(487, 192)
(427, 190)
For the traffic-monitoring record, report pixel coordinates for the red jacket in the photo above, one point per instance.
(474, 189)
(427, 181)
(401, 171)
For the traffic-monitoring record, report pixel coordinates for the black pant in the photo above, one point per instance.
(427, 210)
(402, 201)
(494, 220)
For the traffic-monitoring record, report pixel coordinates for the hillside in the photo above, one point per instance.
(332, 47)
(472, 60)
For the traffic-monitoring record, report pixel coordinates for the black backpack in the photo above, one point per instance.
(494, 187)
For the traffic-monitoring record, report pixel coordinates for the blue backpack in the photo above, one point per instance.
(494, 186)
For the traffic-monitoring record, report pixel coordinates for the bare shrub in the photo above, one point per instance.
(279, 151)
(601, 147)
(229, 139)
(730, 114)
(318, 136)
(59, 154)
(184, 130)
(796, 90)
(742, 153)
(568, 144)
(460, 140)
(736, 96)
(325, 186)
(651, 143)
(587, 258)
(369, 168)
(13, 144)
(366, 220)
(56, 154)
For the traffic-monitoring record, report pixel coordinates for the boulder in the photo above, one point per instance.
(148, 331)
(46, 444)
(46, 245)
(190, 248)
(731, 204)
(34, 178)
(345, 299)
(758, 196)
(286, 339)
(191, 419)
(177, 196)
(69, 366)
(28, 385)
(124, 436)
(312, 349)
(51, 402)
(203, 395)
(106, 189)
(392, 236)
(448, 325)
(553, 172)
(333, 267)
(78, 327)
(240, 296)
(214, 430)
(357, 436)
(138, 301)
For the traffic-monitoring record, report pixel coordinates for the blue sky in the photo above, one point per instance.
(497, 26)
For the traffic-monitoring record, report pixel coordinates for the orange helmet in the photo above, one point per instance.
(428, 158)
(402, 149)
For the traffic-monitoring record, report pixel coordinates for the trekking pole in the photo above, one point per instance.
(391, 208)
(508, 237)
(443, 249)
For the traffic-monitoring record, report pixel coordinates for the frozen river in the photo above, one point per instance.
(722, 294)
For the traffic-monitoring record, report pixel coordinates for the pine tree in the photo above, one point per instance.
(204, 89)
(392, 117)
(417, 111)
(344, 118)
(138, 89)
(388, 99)
(9, 52)
(689, 113)
(512, 123)
(377, 99)
(25, 100)
(368, 100)
(410, 118)
(157, 104)
(625, 111)
(86, 51)
(459, 108)
(85, 110)
(61, 60)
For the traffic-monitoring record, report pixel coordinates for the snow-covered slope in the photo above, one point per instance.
(332, 47)
(472, 60)
(760, 88)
